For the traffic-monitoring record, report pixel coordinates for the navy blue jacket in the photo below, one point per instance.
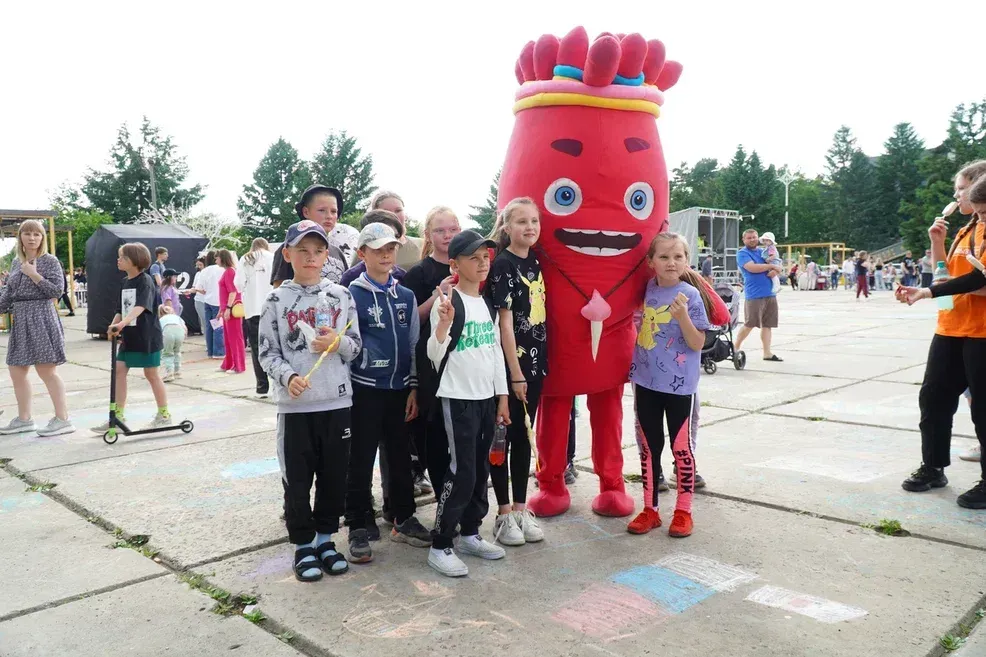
(389, 327)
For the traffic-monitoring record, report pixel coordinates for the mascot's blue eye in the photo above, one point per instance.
(563, 197)
(639, 200)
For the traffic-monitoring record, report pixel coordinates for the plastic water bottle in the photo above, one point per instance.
(323, 315)
(941, 274)
(498, 450)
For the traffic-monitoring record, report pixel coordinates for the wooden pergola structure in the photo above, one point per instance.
(833, 248)
(11, 219)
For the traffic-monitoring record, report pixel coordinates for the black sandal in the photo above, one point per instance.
(300, 568)
(328, 560)
(774, 358)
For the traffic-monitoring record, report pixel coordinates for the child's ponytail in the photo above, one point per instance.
(692, 278)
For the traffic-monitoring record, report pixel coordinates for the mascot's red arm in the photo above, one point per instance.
(585, 148)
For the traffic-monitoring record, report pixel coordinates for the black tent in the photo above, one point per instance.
(105, 281)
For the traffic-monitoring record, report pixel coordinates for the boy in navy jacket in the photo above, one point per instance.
(384, 396)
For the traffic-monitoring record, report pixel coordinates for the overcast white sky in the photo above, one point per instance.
(427, 87)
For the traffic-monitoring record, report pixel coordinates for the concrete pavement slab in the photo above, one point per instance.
(877, 403)
(196, 502)
(890, 348)
(159, 617)
(913, 375)
(50, 553)
(838, 470)
(834, 364)
(749, 581)
(751, 390)
(214, 416)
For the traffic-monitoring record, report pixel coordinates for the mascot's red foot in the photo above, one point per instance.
(546, 503)
(613, 503)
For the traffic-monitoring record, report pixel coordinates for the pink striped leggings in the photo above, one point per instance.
(652, 409)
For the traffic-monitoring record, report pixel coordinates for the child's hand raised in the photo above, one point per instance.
(679, 307)
(297, 385)
(446, 311)
(328, 341)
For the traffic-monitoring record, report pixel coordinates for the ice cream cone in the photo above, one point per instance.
(596, 329)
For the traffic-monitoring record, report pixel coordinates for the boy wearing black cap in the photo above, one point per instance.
(301, 319)
(464, 347)
(322, 205)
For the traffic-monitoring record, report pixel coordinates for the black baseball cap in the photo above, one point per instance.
(466, 243)
(170, 272)
(312, 191)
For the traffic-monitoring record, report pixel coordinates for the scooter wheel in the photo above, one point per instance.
(187, 426)
(739, 361)
(110, 437)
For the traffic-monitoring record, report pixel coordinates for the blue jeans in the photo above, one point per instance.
(214, 345)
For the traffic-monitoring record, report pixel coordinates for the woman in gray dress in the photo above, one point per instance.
(36, 338)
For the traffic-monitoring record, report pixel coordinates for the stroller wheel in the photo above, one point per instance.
(739, 360)
(710, 367)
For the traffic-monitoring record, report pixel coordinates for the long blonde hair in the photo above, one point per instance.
(499, 233)
(689, 276)
(427, 248)
(33, 226)
(259, 244)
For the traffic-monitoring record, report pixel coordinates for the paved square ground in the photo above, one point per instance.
(801, 457)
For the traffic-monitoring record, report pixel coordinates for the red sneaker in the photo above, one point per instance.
(681, 524)
(645, 521)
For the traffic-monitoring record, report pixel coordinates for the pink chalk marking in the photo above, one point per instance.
(506, 618)
(604, 610)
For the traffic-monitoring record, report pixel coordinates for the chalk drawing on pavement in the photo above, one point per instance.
(425, 614)
(856, 467)
(608, 612)
(251, 469)
(665, 587)
(715, 575)
(820, 609)
(20, 502)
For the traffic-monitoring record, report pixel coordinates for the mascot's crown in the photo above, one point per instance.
(620, 72)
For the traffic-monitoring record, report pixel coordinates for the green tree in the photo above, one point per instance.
(340, 163)
(966, 141)
(83, 223)
(266, 206)
(851, 195)
(485, 214)
(124, 191)
(749, 188)
(898, 177)
(698, 186)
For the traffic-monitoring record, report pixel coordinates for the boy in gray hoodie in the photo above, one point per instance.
(307, 323)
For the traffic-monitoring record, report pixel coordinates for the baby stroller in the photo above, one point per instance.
(719, 339)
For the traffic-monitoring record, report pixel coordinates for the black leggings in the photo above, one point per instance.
(954, 364)
(518, 448)
(652, 408)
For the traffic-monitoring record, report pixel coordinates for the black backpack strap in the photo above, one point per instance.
(455, 331)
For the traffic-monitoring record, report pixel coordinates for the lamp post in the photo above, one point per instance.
(786, 179)
(149, 164)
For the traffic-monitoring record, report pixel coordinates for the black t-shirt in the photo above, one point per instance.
(908, 265)
(516, 284)
(422, 279)
(335, 266)
(144, 334)
(860, 268)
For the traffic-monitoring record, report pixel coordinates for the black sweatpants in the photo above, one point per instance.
(462, 495)
(571, 434)
(652, 408)
(518, 450)
(378, 419)
(954, 364)
(313, 446)
(253, 329)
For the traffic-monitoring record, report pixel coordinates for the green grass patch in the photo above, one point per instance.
(42, 487)
(633, 478)
(951, 642)
(703, 404)
(255, 616)
(286, 637)
(4, 462)
(815, 418)
(888, 527)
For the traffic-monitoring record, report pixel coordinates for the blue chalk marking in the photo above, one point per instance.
(26, 501)
(251, 469)
(670, 590)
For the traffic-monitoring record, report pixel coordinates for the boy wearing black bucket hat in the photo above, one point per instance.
(323, 205)
(464, 347)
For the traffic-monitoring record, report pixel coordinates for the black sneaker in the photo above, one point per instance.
(925, 478)
(412, 532)
(975, 497)
(699, 480)
(359, 547)
(662, 484)
(571, 474)
(372, 530)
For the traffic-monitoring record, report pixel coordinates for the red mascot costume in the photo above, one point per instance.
(585, 147)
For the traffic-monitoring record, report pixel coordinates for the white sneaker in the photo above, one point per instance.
(507, 530)
(56, 427)
(477, 547)
(447, 562)
(160, 421)
(103, 427)
(529, 524)
(17, 425)
(974, 454)
(169, 378)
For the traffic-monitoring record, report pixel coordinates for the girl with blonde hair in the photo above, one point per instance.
(36, 338)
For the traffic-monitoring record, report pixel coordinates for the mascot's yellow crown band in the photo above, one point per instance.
(555, 99)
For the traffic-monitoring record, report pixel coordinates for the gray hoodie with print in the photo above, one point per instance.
(284, 349)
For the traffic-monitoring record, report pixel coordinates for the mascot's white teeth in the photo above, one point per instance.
(597, 251)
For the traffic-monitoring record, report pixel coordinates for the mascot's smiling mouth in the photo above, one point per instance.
(598, 242)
